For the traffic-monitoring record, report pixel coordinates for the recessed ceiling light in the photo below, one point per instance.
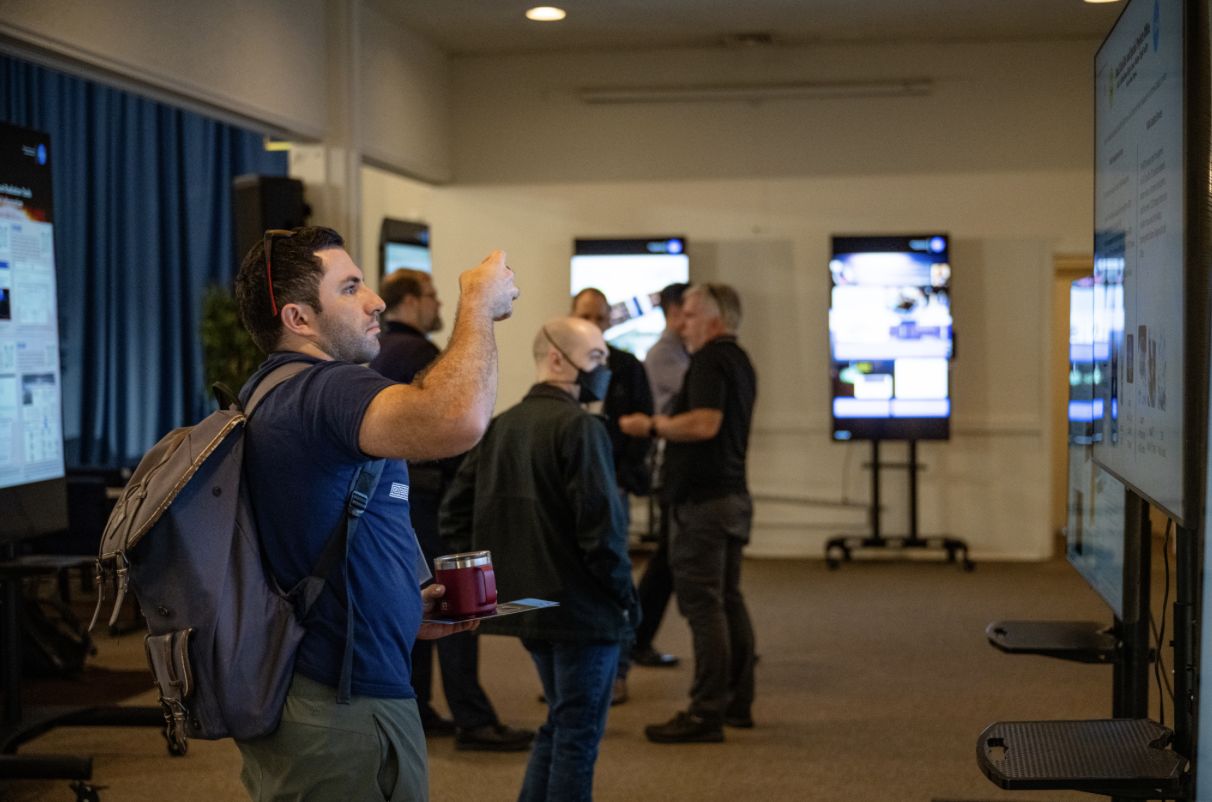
(1102, 1)
(545, 14)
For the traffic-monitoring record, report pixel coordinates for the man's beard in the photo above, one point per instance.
(434, 325)
(346, 344)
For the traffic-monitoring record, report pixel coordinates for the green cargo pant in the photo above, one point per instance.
(370, 749)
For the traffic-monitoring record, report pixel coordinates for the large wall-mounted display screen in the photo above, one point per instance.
(31, 423)
(631, 273)
(1139, 250)
(890, 337)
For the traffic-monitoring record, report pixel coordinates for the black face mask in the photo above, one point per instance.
(593, 383)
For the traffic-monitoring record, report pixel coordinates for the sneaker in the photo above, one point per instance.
(493, 738)
(685, 728)
(651, 658)
(619, 694)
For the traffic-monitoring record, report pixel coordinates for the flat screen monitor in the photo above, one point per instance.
(32, 487)
(403, 244)
(1139, 250)
(890, 337)
(631, 273)
(1086, 349)
(1095, 525)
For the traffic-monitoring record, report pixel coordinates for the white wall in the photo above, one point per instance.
(405, 103)
(770, 238)
(999, 156)
(261, 59)
(999, 106)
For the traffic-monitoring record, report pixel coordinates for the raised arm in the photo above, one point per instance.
(447, 413)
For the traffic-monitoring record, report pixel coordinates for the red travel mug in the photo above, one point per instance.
(471, 586)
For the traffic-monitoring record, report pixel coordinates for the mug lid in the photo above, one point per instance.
(465, 560)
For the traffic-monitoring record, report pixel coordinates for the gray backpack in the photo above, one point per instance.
(222, 635)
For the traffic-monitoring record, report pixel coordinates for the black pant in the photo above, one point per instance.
(656, 586)
(705, 555)
(458, 655)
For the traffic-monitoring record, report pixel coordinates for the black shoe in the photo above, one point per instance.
(618, 694)
(742, 721)
(493, 738)
(651, 658)
(685, 728)
(437, 726)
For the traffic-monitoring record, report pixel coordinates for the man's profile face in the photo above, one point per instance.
(349, 324)
(696, 323)
(429, 313)
(592, 307)
(592, 351)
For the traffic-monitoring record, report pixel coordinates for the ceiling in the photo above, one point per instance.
(496, 27)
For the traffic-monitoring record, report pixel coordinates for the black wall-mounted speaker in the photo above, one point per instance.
(262, 202)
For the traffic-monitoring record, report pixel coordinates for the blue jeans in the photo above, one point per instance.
(577, 678)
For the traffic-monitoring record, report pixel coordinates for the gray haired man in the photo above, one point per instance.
(707, 437)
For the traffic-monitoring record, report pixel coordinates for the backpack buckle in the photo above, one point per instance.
(358, 501)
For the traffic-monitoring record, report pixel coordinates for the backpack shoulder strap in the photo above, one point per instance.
(275, 377)
(361, 490)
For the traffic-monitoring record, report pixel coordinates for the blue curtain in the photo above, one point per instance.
(143, 223)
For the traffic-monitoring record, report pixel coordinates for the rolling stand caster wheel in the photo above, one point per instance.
(86, 792)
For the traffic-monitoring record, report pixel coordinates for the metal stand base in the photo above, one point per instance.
(956, 549)
(1123, 757)
(19, 725)
(845, 545)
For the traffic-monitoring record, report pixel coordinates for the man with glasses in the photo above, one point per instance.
(412, 312)
(707, 436)
(351, 730)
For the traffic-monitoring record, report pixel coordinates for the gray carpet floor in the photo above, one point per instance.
(874, 683)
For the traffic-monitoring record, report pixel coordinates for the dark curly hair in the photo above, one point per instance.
(296, 272)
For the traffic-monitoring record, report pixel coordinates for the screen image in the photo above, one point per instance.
(398, 254)
(1095, 531)
(890, 337)
(631, 273)
(31, 420)
(403, 244)
(1139, 250)
(1088, 346)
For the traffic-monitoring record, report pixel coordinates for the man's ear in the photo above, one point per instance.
(297, 318)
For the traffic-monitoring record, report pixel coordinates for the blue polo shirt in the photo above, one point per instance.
(300, 454)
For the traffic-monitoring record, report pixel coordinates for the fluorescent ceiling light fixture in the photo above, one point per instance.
(545, 14)
(791, 91)
(1102, 1)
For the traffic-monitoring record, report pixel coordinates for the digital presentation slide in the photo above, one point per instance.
(1138, 259)
(890, 329)
(31, 428)
(414, 257)
(632, 282)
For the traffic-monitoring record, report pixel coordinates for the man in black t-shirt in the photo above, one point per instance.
(707, 436)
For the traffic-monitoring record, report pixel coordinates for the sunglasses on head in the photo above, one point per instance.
(270, 236)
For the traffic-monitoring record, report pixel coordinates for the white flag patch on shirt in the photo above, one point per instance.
(399, 491)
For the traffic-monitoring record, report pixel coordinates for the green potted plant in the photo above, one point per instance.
(228, 353)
